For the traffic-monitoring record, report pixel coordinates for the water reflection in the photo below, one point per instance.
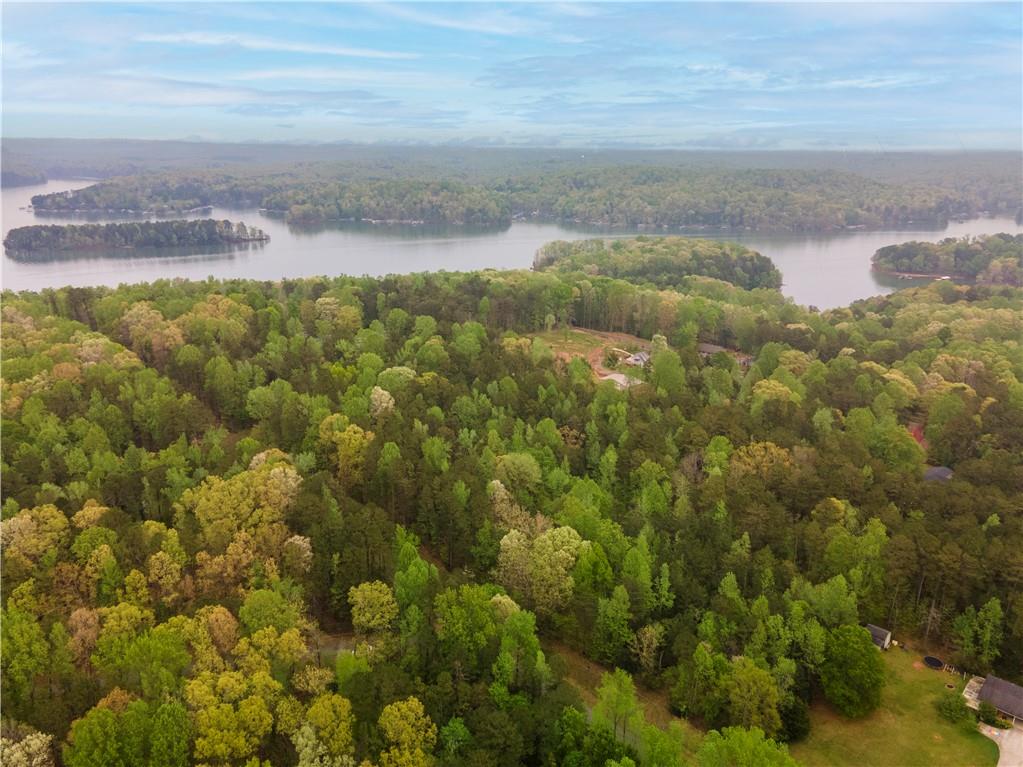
(175, 254)
(824, 270)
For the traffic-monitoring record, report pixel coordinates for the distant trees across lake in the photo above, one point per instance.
(298, 199)
(636, 196)
(662, 261)
(136, 234)
(995, 258)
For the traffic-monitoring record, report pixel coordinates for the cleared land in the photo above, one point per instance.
(593, 346)
(905, 731)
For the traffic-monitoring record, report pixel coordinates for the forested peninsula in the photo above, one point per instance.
(300, 201)
(661, 261)
(789, 199)
(400, 519)
(26, 241)
(995, 259)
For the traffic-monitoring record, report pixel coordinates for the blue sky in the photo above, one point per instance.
(698, 75)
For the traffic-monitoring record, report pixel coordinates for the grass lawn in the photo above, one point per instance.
(572, 343)
(905, 731)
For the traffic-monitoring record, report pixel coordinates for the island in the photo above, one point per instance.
(661, 261)
(26, 241)
(995, 259)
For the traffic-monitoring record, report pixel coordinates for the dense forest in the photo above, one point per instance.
(27, 240)
(301, 201)
(661, 261)
(982, 180)
(995, 258)
(13, 177)
(214, 490)
(621, 196)
(407, 202)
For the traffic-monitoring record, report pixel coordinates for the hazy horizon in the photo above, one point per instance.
(731, 76)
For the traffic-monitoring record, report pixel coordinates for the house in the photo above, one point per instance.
(709, 350)
(938, 474)
(1006, 697)
(882, 637)
(639, 359)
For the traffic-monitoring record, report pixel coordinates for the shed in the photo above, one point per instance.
(1005, 696)
(882, 637)
(938, 474)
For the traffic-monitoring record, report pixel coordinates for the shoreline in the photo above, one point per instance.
(917, 275)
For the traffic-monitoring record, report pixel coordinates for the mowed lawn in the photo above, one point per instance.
(905, 731)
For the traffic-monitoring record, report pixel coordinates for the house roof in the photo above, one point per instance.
(710, 348)
(1005, 696)
(939, 473)
(878, 634)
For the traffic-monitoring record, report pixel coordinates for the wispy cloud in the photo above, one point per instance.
(679, 74)
(252, 43)
(20, 56)
(490, 23)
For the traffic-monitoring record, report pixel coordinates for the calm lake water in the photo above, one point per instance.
(822, 270)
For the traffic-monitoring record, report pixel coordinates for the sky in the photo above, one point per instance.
(679, 75)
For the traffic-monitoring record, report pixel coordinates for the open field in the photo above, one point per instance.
(905, 731)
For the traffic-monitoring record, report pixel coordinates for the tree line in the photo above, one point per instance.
(995, 258)
(661, 261)
(26, 240)
(325, 521)
(623, 195)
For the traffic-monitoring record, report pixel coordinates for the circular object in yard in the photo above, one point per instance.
(932, 662)
(950, 686)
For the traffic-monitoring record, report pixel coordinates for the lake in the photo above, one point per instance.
(825, 270)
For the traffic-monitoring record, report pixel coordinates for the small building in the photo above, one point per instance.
(882, 637)
(709, 350)
(938, 474)
(1006, 697)
(639, 359)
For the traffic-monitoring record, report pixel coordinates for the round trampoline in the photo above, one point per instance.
(932, 662)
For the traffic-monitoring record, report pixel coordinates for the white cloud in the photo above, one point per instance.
(493, 23)
(253, 43)
(20, 56)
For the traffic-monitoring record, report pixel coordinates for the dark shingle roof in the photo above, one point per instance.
(1003, 695)
(941, 473)
(878, 634)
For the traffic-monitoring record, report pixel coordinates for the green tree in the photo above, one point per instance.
(853, 673)
(96, 739)
(753, 697)
(737, 747)
(611, 632)
(617, 706)
(374, 608)
(263, 608)
(411, 734)
(171, 736)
